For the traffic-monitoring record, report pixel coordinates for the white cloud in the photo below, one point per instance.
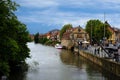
(37, 3)
(59, 18)
(52, 14)
(69, 3)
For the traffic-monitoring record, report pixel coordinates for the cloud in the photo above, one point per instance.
(59, 18)
(60, 12)
(70, 3)
(37, 3)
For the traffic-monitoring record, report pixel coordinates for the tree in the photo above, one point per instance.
(64, 28)
(95, 28)
(13, 37)
(43, 40)
(36, 38)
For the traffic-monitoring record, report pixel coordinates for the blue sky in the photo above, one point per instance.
(44, 15)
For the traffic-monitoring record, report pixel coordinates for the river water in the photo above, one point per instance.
(48, 63)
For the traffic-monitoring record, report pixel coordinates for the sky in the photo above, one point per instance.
(45, 15)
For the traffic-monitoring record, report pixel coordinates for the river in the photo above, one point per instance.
(48, 63)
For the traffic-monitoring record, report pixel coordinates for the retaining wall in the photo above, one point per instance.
(106, 64)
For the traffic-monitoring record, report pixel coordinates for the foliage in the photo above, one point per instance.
(64, 28)
(51, 43)
(36, 38)
(43, 40)
(4, 67)
(96, 29)
(14, 37)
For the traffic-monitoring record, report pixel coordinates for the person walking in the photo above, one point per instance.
(98, 51)
(95, 51)
(119, 54)
(116, 57)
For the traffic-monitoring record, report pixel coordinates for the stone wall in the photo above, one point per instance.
(67, 43)
(106, 64)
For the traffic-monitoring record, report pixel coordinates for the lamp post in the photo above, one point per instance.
(91, 33)
(104, 38)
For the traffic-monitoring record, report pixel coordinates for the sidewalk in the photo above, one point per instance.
(101, 53)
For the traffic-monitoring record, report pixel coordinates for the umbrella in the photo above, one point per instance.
(85, 42)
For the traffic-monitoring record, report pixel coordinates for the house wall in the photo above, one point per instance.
(112, 37)
(67, 43)
(82, 35)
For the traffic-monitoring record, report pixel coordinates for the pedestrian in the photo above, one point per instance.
(119, 53)
(98, 50)
(95, 51)
(116, 57)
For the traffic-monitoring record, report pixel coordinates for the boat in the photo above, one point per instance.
(58, 46)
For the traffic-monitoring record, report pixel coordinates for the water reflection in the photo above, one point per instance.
(69, 58)
(94, 72)
(18, 73)
(48, 63)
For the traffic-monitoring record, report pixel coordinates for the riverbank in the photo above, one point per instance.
(106, 64)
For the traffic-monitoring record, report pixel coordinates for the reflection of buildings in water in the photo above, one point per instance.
(106, 74)
(96, 68)
(68, 58)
